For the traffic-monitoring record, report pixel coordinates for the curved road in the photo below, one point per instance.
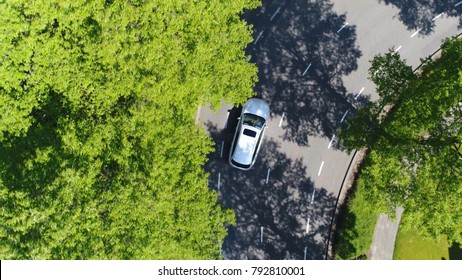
(313, 58)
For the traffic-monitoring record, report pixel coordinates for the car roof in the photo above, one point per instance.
(245, 146)
(257, 107)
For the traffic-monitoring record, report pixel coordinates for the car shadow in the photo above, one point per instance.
(272, 203)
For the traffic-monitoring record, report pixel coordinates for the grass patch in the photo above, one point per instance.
(356, 224)
(411, 246)
(358, 217)
(355, 228)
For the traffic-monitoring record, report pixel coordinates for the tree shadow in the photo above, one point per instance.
(302, 57)
(29, 162)
(346, 234)
(272, 210)
(420, 14)
(455, 252)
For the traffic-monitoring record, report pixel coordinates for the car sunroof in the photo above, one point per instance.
(249, 132)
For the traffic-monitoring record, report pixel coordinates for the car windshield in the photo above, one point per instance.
(253, 120)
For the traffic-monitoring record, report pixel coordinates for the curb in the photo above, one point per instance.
(347, 184)
(199, 109)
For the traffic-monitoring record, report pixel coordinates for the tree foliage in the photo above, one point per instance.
(390, 74)
(415, 135)
(99, 156)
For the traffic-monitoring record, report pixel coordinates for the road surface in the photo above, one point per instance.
(313, 58)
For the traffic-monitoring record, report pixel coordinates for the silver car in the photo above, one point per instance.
(249, 134)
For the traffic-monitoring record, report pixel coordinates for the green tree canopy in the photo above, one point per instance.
(99, 154)
(415, 134)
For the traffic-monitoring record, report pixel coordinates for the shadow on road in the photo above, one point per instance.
(277, 205)
(302, 55)
(420, 14)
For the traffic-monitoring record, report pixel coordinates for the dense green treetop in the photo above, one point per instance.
(99, 153)
(415, 132)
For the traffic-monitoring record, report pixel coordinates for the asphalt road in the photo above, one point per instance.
(313, 58)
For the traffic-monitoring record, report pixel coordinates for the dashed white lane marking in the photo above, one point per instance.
(341, 28)
(306, 70)
(320, 168)
(261, 234)
(397, 49)
(344, 116)
(415, 33)
(267, 175)
(331, 141)
(306, 247)
(219, 179)
(226, 122)
(221, 149)
(308, 225)
(437, 17)
(277, 11)
(258, 37)
(312, 196)
(359, 93)
(458, 3)
(282, 118)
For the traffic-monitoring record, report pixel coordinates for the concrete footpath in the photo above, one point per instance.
(383, 243)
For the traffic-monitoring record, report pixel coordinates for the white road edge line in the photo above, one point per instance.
(282, 118)
(221, 149)
(267, 176)
(344, 115)
(261, 234)
(341, 28)
(331, 141)
(417, 32)
(320, 168)
(306, 70)
(258, 37)
(308, 225)
(219, 179)
(359, 93)
(438, 16)
(226, 122)
(277, 11)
